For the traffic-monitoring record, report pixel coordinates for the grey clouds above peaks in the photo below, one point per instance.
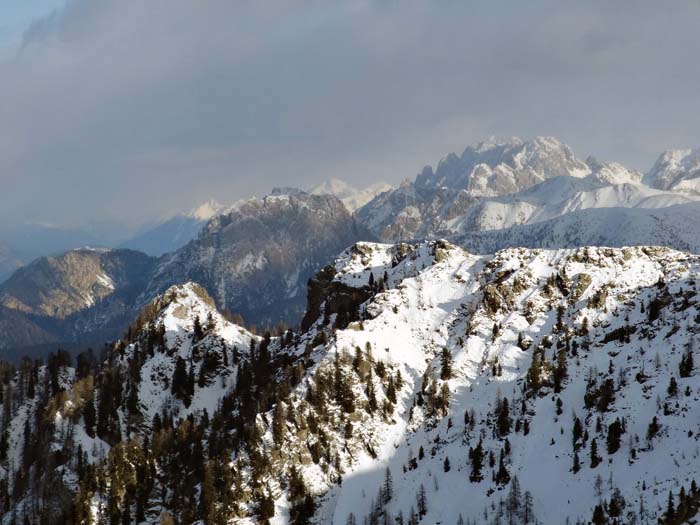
(132, 110)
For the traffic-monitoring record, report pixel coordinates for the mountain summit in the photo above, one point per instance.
(499, 167)
(676, 170)
(350, 196)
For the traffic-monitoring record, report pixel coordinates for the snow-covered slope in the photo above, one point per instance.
(530, 386)
(351, 197)
(673, 226)
(411, 212)
(606, 330)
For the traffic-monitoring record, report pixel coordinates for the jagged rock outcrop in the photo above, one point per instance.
(500, 167)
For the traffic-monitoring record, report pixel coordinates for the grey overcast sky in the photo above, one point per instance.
(130, 110)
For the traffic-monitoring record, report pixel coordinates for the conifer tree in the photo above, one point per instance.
(446, 364)
(391, 391)
(197, 329)
(615, 431)
(576, 432)
(672, 389)
(503, 420)
(89, 416)
(514, 501)
(502, 476)
(476, 456)
(534, 373)
(371, 395)
(670, 513)
(686, 366)
(653, 429)
(387, 487)
(422, 502)
(595, 458)
(211, 323)
(178, 384)
(577, 463)
(599, 517)
(560, 370)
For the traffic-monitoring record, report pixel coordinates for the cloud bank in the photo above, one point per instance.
(130, 110)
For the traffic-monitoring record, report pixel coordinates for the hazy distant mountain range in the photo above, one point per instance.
(255, 256)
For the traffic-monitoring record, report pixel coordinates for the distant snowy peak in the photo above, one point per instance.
(206, 210)
(499, 167)
(176, 231)
(350, 196)
(612, 172)
(501, 183)
(677, 170)
(337, 187)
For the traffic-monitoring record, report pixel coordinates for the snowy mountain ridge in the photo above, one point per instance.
(432, 385)
(502, 183)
